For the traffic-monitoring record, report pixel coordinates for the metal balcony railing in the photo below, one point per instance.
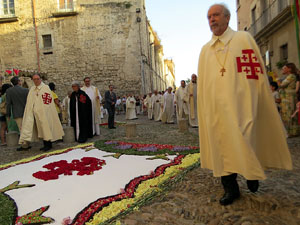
(268, 15)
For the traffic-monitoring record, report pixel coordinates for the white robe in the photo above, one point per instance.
(193, 119)
(66, 111)
(239, 126)
(40, 120)
(156, 106)
(168, 108)
(182, 110)
(93, 92)
(148, 104)
(130, 108)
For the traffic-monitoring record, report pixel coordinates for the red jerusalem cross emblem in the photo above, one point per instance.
(249, 64)
(47, 99)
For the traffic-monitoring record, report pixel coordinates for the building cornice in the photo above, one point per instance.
(279, 21)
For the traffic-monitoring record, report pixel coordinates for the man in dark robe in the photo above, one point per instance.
(110, 102)
(81, 114)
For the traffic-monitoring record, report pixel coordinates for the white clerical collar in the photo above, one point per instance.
(40, 86)
(224, 38)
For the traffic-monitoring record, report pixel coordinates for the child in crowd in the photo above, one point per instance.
(274, 88)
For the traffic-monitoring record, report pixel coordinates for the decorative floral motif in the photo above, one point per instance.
(111, 142)
(42, 156)
(123, 147)
(137, 189)
(34, 217)
(148, 149)
(181, 148)
(85, 166)
(129, 192)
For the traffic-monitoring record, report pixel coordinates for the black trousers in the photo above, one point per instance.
(111, 116)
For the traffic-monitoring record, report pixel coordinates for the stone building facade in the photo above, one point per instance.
(272, 25)
(110, 41)
(169, 71)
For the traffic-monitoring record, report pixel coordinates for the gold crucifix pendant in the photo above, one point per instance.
(222, 71)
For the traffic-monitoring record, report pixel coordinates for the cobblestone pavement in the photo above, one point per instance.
(194, 200)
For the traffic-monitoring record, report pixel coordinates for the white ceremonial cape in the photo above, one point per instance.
(156, 106)
(191, 88)
(148, 104)
(40, 118)
(181, 106)
(93, 92)
(161, 106)
(239, 126)
(130, 108)
(168, 108)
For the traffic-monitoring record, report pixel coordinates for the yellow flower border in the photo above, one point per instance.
(27, 160)
(143, 190)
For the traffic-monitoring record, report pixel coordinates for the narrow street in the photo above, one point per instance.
(194, 200)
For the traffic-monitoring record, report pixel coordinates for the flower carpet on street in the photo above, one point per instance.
(83, 185)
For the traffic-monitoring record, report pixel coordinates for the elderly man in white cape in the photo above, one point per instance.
(191, 92)
(148, 104)
(240, 129)
(130, 108)
(156, 100)
(181, 102)
(40, 120)
(96, 98)
(168, 107)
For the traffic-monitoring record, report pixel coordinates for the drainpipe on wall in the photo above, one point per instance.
(138, 20)
(36, 35)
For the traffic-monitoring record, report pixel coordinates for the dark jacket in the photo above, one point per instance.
(109, 99)
(16, 98)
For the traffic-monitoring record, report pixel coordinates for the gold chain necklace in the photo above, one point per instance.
(223, 70)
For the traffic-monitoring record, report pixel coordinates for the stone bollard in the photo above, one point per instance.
(12, 139)
(130, 129)
(69, 135)
(183, 125)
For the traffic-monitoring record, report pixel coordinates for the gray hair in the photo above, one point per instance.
(77, 83)
(226, 11)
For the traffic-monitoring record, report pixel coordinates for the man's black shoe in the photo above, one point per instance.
(112, 128)
(253, 185)
(45, 148)
(23, 149)
(228, 198)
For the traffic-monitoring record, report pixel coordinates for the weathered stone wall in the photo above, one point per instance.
(103, 40)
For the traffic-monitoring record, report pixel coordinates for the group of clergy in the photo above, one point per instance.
(162, 107)
(81, 110)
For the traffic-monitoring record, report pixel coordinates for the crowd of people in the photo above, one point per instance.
(83, 108)
(286, 92)
(37, 113)
(163, 105)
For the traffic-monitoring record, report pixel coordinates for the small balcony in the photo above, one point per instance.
(272, 17)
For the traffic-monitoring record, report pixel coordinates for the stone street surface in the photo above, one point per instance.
(194, 200)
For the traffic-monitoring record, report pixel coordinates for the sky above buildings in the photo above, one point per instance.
(183, 29)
